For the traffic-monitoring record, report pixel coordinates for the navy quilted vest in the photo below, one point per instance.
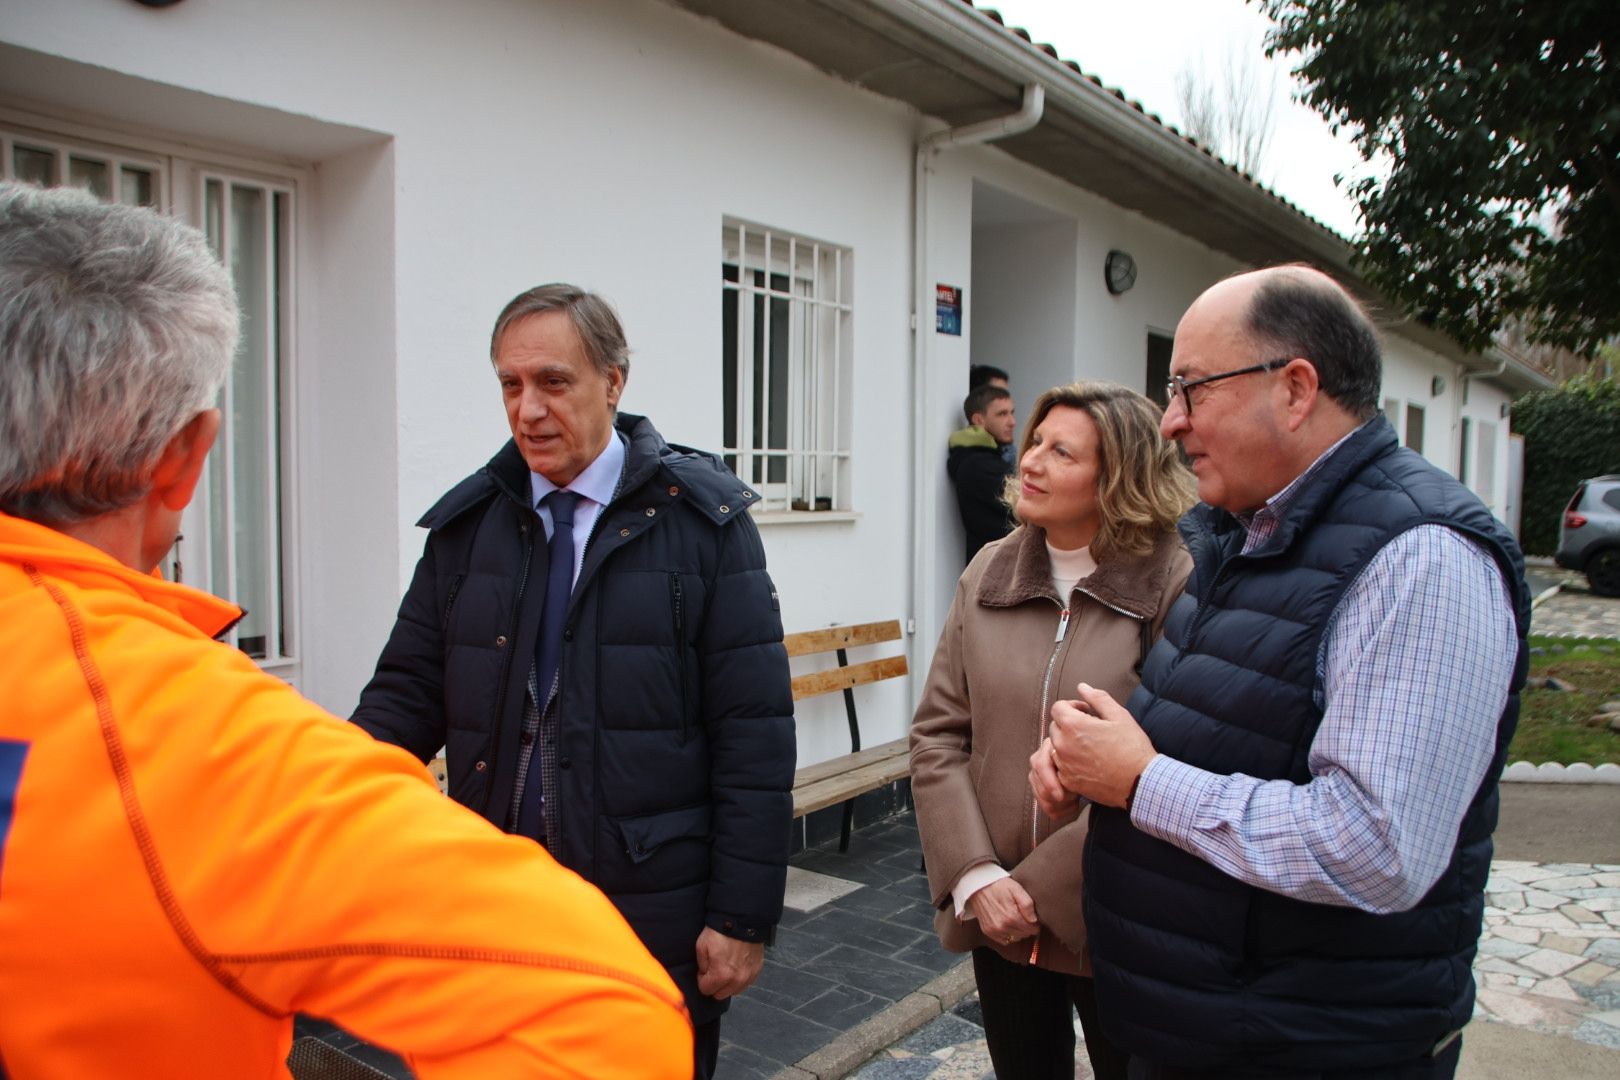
(1198, 970)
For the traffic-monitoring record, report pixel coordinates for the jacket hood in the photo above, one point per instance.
(1020, 570)
(973, 435)
(31, 545)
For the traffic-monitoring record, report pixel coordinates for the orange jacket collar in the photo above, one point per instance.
(61, 556)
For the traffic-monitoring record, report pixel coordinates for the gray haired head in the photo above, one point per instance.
(117, 325)
(594, 321)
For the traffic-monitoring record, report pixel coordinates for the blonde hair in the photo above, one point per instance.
(1142, 486)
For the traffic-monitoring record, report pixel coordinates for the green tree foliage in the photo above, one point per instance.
(1570, 433)
(1500, 123)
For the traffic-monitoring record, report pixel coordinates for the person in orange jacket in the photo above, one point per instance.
(190, 852)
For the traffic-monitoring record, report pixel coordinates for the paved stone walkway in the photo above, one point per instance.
(1574, 611)
(1549, 962)
(1550, 956)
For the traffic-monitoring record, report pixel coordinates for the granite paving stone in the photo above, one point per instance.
(808, 890)
(1549, 959)
(889, 978)
(740, 1063)
(1590, 973)
(871, 935)
(1605, 949)
(842, 1007)
(900, 1068)
(1599, 1034)
(798, 946)
(915, 915)
(777, 1034)
(1556, 988)
(1549, 962)
(788, 988)
(947, 1031)
(1566, 943)
(876, 903)
(1505, 948)
(928, 954)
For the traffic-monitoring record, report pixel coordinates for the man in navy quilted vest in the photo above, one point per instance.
(1292, 816)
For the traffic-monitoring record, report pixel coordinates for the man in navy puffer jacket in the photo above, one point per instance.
(1292, 823)
(658, 761)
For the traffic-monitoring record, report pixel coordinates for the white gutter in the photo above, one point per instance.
(996, 128)
(1027, 116)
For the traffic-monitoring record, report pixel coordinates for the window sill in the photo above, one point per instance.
(805, 517)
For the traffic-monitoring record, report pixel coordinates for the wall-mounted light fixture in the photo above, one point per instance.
(1119, 271)
(1437, 386)
(1504, 409)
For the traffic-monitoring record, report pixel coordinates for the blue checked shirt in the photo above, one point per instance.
(1414, 672)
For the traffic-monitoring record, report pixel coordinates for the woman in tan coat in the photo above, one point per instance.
(1076, 594)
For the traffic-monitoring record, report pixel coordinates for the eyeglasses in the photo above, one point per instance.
(1179, 387)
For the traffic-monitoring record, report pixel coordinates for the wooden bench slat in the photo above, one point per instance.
(806, 642)
(837, 789)
(842, 778)
(814, 774)
(842, 678)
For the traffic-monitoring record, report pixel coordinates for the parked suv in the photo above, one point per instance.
(1589, 538)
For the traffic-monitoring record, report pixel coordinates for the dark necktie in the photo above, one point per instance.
(548, 645)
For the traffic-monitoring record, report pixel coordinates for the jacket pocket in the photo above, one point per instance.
(643, 836)
(450, 599)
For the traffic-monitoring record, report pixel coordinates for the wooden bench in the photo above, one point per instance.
(840, 779)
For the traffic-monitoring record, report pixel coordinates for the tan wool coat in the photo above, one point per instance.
(1007, 652)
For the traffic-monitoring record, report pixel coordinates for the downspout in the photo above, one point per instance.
(923, 457)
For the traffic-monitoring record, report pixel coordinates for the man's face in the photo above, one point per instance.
(1235, 436)
(559, 406)
(999, 420)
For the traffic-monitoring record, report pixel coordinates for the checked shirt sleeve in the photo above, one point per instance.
(1415, 670)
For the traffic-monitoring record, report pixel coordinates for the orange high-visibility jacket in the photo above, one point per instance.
(190, 853)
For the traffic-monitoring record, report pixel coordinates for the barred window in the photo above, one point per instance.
(786, 317)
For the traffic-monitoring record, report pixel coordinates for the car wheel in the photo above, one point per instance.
(1603, 572)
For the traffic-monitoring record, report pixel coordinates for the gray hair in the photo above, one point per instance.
(594, 321)
(116, 328)
(1302, 312)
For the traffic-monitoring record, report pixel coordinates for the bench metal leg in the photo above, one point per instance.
(854, 747)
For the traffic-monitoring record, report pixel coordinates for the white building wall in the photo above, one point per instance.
(1410, 378)
(456, 154)
(519, 143)
(1103, 336)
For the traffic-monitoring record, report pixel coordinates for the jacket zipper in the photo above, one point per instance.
(1046, 705)
(1046, 690)
(450, 598)
(1064, 614)
(680, 644)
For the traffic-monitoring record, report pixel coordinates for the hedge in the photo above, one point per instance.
(1570, 433)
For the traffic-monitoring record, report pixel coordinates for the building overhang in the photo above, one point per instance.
(955, 64)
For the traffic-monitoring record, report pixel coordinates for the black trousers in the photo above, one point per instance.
(1029, 1021)
(1441, 1066)
(705, 1049)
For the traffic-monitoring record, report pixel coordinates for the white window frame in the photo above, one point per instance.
(180, 175)
(804, 469)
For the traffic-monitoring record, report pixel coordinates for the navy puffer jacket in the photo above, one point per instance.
(675, 721)
(1196, 969)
